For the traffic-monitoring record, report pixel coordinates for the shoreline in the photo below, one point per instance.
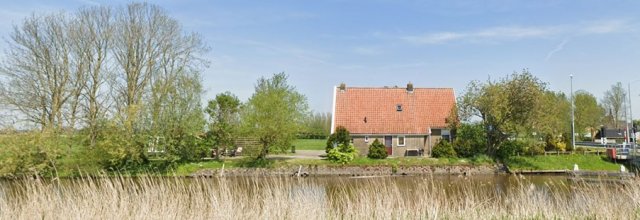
(347, 170)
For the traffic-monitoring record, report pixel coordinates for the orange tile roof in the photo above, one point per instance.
(423, 109)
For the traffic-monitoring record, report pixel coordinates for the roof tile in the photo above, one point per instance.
(422, 109)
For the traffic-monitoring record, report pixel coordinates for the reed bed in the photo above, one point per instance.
(312, 198)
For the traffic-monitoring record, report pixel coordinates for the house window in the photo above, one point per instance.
(399, 107)
(366, 139)
(401, 141)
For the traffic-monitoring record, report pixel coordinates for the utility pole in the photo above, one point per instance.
(573, 126)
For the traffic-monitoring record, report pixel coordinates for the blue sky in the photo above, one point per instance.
(385, 43)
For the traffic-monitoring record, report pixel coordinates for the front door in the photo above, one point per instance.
(388, 142)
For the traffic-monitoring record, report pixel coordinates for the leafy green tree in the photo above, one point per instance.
(507, 107)
(553, 119)
(588, 114)
(377, 150)
(341, 136)
(471, 140)
(225, 120)
(443, 149)
(274, 114)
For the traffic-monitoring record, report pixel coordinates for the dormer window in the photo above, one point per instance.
(399, 107)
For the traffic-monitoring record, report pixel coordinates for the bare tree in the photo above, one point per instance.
(92, 31)
(154, 61)
(613, 102)
(38, 70)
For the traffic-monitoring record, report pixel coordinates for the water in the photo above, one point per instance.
(489, 184)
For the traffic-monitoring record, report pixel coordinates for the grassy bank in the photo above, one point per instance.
(190, 168)
(561, 162)
(290, 198)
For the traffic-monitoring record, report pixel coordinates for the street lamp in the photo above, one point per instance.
(573, 132)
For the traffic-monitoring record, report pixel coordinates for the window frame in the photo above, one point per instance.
(404, 140)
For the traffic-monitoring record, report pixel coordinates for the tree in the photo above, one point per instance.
(155, 63)
(588, 114)
(553, 120)
(224, 113)
(612, 101)
(93, 31)
(38, 70)
(274, 113)
(317, 126)
(508, 107)
(377, 150)
(341, 136)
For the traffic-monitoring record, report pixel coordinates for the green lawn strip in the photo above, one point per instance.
(561, 162)
(310, 144)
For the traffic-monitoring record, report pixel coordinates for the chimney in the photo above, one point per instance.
(343, 87)
(410, 87)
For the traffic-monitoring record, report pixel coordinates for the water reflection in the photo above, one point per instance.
(328, 187)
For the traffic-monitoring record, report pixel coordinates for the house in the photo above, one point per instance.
(611, 135)
(407, 120)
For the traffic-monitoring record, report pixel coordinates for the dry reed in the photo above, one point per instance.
(312, 198)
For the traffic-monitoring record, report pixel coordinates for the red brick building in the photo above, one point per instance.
(406, 120)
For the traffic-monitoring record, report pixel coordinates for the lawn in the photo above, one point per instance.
(561, 162)
(310, 144)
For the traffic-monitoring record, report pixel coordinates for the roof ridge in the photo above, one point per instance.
(388, 87)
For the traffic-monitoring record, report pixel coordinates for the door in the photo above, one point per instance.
(388, 142)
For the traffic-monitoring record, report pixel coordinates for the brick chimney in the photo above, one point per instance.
(410, 87)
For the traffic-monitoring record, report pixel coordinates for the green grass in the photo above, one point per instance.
(310, 144)
(561, 162)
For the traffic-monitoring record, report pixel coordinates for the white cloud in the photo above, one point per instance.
(509, 33)
(557, 49)
(493, 33)
(605, 27)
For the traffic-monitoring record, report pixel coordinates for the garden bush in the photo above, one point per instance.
(511, 148)
(339, 137)
(377, 150)
(470, 140)
(443, 149)
(342, 154)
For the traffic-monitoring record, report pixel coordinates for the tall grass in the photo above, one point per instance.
(289, 198)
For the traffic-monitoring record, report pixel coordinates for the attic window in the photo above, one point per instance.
(399, 107)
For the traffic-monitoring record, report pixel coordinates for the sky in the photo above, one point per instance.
(376, 43)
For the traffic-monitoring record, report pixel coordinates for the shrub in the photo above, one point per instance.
(377, 150)
(31, 153)
(470, 140)
(342, 154)
(511, 148)
(559, 143)
(535, 149)
(581, 149)
(339, 137)
(443, 149)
